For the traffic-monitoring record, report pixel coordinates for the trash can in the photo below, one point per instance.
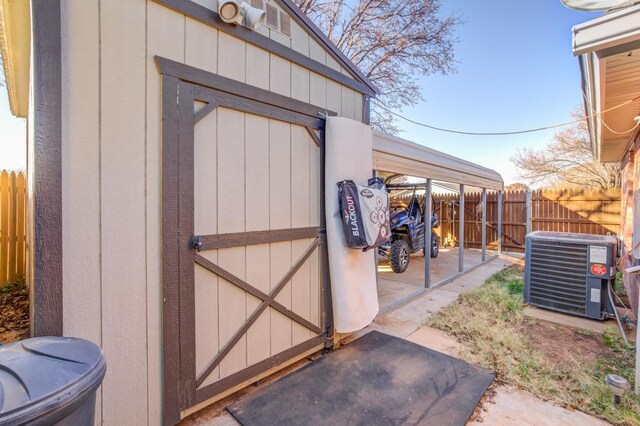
(50, 381)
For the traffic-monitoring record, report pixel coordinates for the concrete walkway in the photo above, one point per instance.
(508, 406)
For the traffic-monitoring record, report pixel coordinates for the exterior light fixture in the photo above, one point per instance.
(253, 17)
(619, 385)
(232, 12)
(229, 11)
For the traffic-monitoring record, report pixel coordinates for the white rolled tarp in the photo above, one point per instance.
(349, 156)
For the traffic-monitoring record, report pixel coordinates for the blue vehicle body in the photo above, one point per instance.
(407, 224)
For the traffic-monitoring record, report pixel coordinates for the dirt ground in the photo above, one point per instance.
(14, 315)
(561, 343)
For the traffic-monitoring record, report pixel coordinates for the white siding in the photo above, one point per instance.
(123, 215)
(81, 173)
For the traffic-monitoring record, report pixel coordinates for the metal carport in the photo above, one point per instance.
(393, 155)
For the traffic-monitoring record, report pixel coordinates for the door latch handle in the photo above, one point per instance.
(197, 243)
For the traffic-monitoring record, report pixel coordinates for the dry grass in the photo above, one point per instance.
(495, 334)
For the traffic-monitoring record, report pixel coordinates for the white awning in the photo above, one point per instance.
(399, 156)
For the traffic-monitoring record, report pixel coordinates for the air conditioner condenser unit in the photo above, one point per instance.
(570, 272)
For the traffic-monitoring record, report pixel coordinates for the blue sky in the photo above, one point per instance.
(515, 71)
(12, 136)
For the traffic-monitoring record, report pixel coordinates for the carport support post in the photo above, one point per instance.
(638, 357)
(484, 224)
(499, 222)
(461, 231)
(427, 234)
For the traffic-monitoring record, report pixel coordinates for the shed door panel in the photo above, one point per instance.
(243, 272)
(253, 173)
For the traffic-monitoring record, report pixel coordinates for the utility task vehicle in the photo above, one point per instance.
(407, 230)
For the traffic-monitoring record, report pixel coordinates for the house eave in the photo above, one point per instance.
(15, 42)
(608, 31)
(593, 42)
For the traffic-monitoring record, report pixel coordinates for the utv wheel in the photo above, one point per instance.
(435, 245)
(399, 256)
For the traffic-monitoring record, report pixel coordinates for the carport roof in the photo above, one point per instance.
(395, 155)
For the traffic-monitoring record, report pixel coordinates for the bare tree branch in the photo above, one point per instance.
(567, 161)
(392, 42)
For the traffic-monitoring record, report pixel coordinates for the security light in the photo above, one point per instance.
(232, 12)
(253, 17)
(229, 11)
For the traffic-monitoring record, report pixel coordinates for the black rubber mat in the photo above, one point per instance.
(376, 380)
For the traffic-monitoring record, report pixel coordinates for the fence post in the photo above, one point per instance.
(499, 222)
(461, 231)
(484, 224)
(4, 227)
(427, 235)
(527, 210)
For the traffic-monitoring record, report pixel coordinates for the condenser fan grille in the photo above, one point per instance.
(558, 275)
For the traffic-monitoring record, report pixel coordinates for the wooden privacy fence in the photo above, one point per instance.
(12, 227)
(571, 210)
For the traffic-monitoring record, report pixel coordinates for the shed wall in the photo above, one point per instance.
(111, 121)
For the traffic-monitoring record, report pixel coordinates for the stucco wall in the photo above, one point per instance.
(112, 172)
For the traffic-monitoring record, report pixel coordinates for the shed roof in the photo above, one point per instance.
(396, 155)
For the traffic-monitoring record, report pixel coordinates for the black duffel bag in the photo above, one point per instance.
(365, 213)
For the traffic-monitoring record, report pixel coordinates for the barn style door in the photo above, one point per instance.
(244, 281)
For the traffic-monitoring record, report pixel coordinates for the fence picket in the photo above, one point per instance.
(571, 210)
(12, 227)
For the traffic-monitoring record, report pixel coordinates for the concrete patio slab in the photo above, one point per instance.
(437, 340)
(511, 406)
(568, 320)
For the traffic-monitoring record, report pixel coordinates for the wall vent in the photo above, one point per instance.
(258, 4)
(285, 24)
(272, 16)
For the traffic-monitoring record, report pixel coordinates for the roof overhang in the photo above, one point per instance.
(609, 55)
(399, 156)
(15, 42)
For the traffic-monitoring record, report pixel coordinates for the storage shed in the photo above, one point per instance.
(175, 173)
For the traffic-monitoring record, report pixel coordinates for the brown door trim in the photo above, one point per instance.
(228, 382)
(45, 171)
(179, 244)
(206, 79)
(170, 256)
(212, 242)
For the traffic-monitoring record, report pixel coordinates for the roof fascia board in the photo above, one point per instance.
(395, 146)
(607, 31)
(318, 35)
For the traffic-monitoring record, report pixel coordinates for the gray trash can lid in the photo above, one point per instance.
(45, 374)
